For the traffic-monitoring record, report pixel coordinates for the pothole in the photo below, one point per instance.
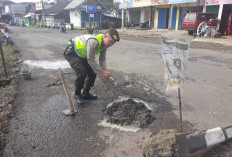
(128, 114)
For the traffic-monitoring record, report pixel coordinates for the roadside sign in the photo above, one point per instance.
(91, 9)
(91, 15)
(175, 54)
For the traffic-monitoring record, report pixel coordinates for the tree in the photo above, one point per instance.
(111, 7)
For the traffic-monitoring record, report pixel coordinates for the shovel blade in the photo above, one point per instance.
(69, 113)
(182, 146)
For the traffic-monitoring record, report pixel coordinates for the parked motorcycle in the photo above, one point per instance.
(144, 25)
(130, 24)
(208, 29)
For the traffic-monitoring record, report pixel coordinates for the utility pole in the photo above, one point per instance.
(122, 1)
(43, 11)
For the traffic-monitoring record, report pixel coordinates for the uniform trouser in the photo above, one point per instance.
(85, 76)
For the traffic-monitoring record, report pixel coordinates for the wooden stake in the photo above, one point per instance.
(181, 123)
(66, 91)
(3, 60)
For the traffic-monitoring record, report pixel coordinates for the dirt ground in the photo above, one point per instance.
(7, 92)
(161, 144)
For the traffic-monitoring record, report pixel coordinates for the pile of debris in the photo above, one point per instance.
(129, 113)
(161, 144)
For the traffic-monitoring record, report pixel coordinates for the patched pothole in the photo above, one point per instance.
(129, 113)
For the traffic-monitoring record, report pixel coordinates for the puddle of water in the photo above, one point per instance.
(124, 98)
(48, 64)
(122, 128)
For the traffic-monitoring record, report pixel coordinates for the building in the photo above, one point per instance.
(56, 13)
(161, 14)
(4, 10)
(39, 5)
(224, 10)
(79, 15)
(17, 11)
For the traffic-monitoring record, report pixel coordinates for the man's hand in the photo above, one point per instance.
(105, 74)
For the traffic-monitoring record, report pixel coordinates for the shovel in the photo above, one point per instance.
(70, 111)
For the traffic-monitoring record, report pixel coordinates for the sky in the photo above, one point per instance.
(19, 1)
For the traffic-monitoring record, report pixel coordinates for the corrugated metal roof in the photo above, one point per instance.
(77, 3)
(6, 2)
(56, 9)
(73, 4)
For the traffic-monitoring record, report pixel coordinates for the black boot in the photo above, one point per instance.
(78, 99)
(88, 96)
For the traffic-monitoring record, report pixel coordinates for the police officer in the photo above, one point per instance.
(81, 52)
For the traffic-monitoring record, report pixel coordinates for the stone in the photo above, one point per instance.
(4, 81)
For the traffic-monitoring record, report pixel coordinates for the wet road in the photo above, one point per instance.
(40, 129)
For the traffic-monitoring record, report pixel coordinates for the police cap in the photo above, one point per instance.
(113, 33)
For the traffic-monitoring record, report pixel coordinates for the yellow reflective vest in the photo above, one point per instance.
(80, 44)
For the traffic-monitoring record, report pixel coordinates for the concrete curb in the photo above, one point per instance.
(180, 34)
(208, 138)
(202, 140)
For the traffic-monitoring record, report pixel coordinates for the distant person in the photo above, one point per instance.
(11, 22)
(23, 24)
(80, 53)
(62, 27)
(4, 31)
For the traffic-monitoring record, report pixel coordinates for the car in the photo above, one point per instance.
(194, 19)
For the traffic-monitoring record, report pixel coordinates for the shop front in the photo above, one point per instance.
(94, 18)
(163, 18)
(162, 14)
(135, 15)
(86, 13)
(224, 10)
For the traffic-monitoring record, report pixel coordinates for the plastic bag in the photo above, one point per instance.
(175, 55)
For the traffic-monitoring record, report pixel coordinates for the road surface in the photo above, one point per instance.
(40, 129)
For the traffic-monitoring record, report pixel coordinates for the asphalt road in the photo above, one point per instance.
(40, 129)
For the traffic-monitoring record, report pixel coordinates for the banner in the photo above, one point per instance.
(217, 2)
(91, 9)
(225, 1)
(125, 5)
(175, 55)
(87, 24)
(158, 2)
(181, 1)
(212, 2)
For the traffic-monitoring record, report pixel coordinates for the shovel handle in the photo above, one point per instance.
(66, 91)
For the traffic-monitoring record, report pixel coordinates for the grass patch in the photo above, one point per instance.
(7, 92)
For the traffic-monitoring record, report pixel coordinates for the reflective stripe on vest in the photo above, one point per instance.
(80, 44)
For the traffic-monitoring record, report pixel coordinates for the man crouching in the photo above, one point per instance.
(80, 53)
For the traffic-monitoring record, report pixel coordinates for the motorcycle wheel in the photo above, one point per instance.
(201, 29)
